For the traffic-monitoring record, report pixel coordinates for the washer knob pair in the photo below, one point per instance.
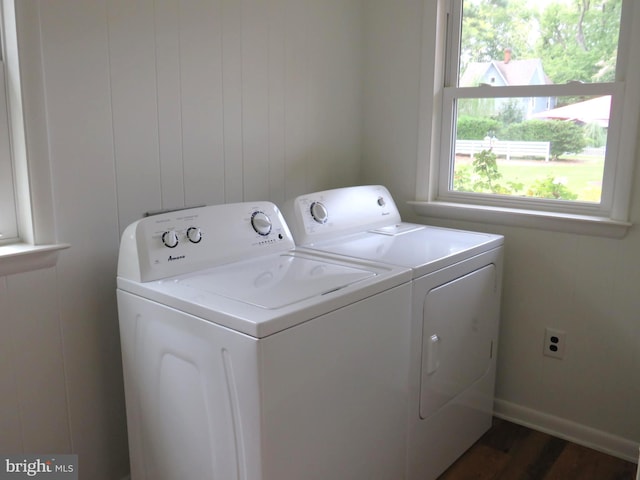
(170, 237)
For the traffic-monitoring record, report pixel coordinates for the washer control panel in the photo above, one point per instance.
(324, 215)
(183, 241)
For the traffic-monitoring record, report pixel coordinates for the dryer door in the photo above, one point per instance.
(459, 326)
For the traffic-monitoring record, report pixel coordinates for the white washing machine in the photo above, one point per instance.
(245, 358)
(455, 303)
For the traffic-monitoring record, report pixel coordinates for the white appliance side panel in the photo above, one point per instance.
(457, 338)
(335, 393)
(192, 395)
(437, 441)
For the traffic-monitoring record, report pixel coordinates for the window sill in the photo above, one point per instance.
(22, 257)
(559, 222)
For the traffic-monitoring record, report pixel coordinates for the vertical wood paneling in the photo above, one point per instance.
(75, 45)
(232, 102)
(167, 36)
(11, 435)
(134, 103)
(149, 104)
(189, 56)
(336, 93)
(296, 85)
(39, 361)
(277, 95)
(202, 118)
(255, 98)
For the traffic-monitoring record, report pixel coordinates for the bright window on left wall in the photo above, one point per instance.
(8, 222)
(27, 240)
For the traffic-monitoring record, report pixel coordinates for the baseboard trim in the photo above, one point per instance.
(567, 430)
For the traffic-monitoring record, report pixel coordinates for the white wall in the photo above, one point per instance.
(586, 286)
(149, 104)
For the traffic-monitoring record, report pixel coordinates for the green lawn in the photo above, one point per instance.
(582, 176)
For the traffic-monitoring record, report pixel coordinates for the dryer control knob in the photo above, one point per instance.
(194, 234)
(319, 212)
(170, 239)
(261, 223)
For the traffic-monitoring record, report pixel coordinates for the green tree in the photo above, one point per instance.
(489, 26)
(595, 135)
(578, 42)
(511, 112)
(575, 41)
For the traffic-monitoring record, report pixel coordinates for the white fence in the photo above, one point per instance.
(505, 148)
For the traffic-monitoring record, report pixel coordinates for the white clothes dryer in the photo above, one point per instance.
(456, 290)
(247, 359)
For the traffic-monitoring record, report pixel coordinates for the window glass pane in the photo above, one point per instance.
(540, 147)
(8, 226)
(519, 42)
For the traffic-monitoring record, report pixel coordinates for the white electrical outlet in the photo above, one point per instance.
(554, 343)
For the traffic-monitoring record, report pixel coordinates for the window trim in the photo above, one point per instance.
(36, 246)
(430, 202)
(9, 222)
(616, 90)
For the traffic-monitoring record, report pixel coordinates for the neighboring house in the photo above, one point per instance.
(510, 72)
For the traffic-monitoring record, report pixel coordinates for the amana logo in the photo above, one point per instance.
(179, 257)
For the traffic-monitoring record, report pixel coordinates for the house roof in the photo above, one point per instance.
(595, 110)
(514, 72)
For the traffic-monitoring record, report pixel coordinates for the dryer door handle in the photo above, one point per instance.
(433, 354)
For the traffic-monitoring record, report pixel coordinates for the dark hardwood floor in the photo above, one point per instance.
(509, 451)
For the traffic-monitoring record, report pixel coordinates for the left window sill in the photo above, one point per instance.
(22, 257)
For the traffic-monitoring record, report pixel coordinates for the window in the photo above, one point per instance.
(537, 109)
(8, 225)
(26, 215)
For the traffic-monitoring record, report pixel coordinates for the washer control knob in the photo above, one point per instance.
(194, 234)
(381, 201)
(319, 212)
(170, 239)
(261, 223)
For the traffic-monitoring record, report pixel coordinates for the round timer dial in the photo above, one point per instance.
(261, 223)
(319, 212)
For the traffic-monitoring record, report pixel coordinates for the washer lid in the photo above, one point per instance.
(424, 249)
(264, 295)
(276, 281)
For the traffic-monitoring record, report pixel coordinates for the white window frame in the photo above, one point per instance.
(33, 245)
(8, 217)
(439, 91)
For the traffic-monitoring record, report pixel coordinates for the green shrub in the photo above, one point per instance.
(485, 178)
(551, 187)
(475, 128)
(565, 137)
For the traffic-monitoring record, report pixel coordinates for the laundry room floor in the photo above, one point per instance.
(513, 452)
